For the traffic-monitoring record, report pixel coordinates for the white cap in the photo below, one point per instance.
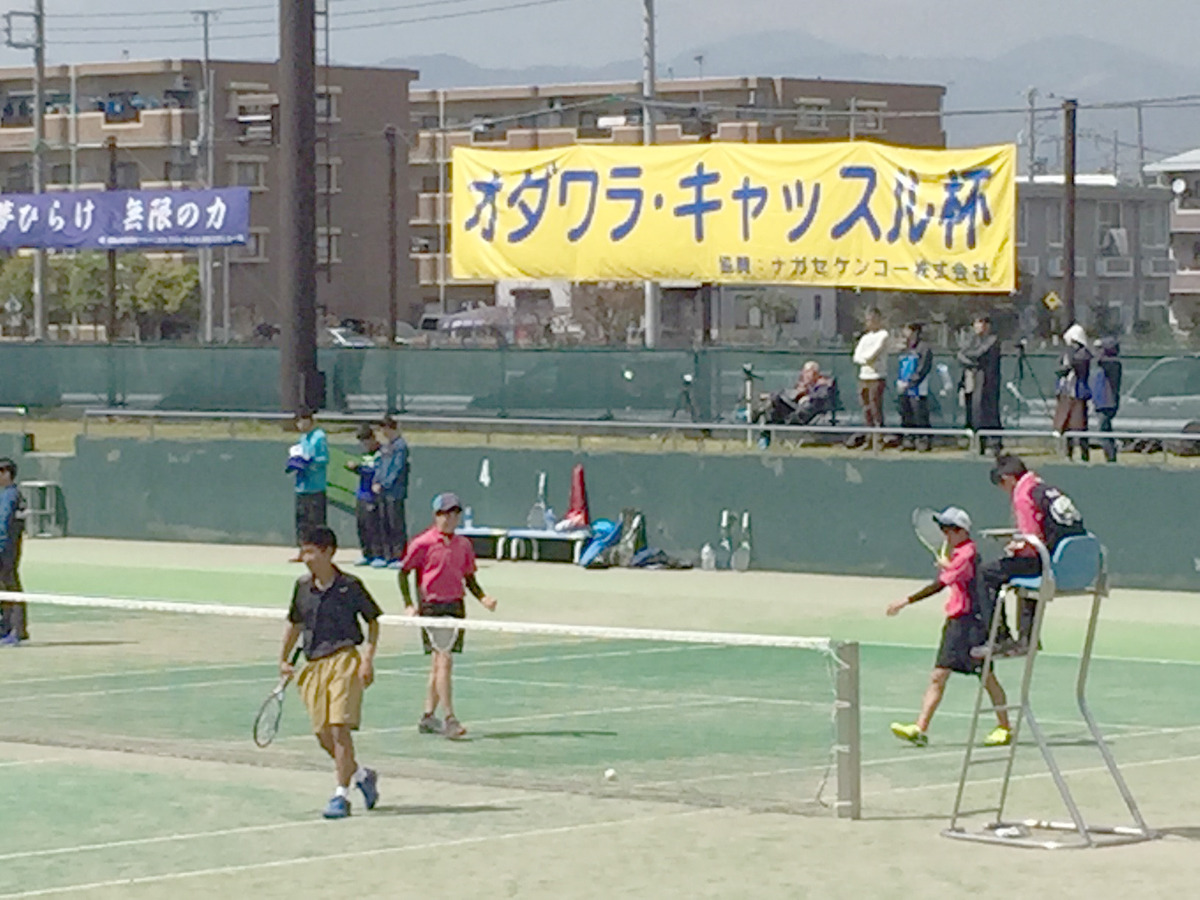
(1076, 335)
(954, 516)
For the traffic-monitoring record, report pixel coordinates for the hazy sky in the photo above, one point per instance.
(597, 31)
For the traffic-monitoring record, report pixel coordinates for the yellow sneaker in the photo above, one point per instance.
(998, 737)
(910, 733)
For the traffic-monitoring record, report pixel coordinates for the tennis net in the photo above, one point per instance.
(753, 721)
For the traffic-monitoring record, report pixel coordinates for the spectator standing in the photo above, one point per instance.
(1105, 385)
(871, 357)
(309, 461)
(1073, 392)
(13, 626)
(390, 485)
(980, 384)
(912, 387)
(370, 531)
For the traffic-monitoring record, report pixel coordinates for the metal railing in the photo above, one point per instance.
(877, 438)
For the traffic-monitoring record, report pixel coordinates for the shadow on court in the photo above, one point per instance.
(427, 810)
(514, 735)
(1187, 832)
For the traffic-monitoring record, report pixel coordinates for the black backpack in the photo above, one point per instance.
(1060, 516)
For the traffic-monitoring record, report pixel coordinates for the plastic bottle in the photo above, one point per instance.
(708, 558)
(468, 518)
(551, 520)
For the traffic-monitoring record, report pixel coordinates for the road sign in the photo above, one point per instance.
(12, 306)
(1052, 300)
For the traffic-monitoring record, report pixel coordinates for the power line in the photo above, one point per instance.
(229, 38)
(143, 14)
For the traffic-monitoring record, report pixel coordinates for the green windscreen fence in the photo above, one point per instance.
(577, 383)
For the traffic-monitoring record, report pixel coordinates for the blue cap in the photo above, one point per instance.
(446, 502)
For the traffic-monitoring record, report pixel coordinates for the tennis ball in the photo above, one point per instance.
(610, 774)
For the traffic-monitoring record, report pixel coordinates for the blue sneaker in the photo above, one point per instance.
(379, 563)
(337, 808)
(365, 561)
(393, 564)
(370, 788)
(10, 640)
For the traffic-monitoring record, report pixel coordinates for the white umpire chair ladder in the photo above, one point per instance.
(1077, 568)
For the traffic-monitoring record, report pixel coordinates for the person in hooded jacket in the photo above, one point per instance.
(1073, 392)
(1105, 387)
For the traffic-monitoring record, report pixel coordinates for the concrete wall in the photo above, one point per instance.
(847, 514)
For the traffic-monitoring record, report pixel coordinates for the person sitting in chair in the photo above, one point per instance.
(814, 393)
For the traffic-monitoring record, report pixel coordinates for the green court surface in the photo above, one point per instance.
(128, 771)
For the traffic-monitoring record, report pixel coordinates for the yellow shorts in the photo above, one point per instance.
(332, 689)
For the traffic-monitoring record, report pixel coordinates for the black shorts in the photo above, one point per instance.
(453, 610)
(958, 637)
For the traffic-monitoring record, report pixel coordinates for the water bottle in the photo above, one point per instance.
(551, 521)
(708, 558)
(468, 519)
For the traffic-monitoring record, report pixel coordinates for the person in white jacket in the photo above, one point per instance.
(871, 357)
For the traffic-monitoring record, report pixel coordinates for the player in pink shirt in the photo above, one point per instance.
(963, 630)
(445, 567)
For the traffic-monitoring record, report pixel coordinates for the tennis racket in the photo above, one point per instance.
(266, 723)
(741, 556)
(537, 513)
(442, 639)
(929, 533)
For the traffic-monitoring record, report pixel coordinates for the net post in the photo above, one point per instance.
(849, 735)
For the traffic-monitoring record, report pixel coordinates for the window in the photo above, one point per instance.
(1022, 224)
(329, 246)
(18, 111)
(1154, 225)
(122, 107)
(255, 248)
(869, 114)
(1111, 238)
(179, 99)
(327, 103)
(429, 184)
(430, 123)
(810, 114)
(589, 125)
(60, 173)
(19, 179)
(328, 178)
(1054, 224)
(251, 173)
(129, 176)
(817, 308)
(180, 171)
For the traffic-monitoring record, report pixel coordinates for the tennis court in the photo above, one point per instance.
(128, 769)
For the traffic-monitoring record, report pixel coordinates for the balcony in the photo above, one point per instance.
(1115, 266)
(152, 128)
(426, 265)
(1157, 267)
(1186, 281)
(1185, 219)
(427, 212)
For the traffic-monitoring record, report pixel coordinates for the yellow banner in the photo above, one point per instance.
(840, 214)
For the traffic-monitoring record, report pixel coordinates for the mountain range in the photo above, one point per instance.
(1093, 72)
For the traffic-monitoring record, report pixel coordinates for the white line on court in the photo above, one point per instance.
(355, 854)
(1074, 656)
(1089, 770)
(29, 762)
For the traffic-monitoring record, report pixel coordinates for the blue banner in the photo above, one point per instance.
(124, 220)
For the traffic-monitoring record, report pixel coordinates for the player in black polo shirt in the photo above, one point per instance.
(326, 606)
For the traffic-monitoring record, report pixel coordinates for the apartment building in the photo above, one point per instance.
(1181, 176)
(1122, 260)
(747, 109)
(153, 110)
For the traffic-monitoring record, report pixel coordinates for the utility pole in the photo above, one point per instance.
(38, 46)
(302, 385)
(1141, 148)
(651, 308)
(1070, 108)
(1116, 157)
(206, 165)
(393, 264)
(1031, 137)
(111, 184)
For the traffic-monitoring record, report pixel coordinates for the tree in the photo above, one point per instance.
(163, 291)
(607, 310)
(16, 281)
